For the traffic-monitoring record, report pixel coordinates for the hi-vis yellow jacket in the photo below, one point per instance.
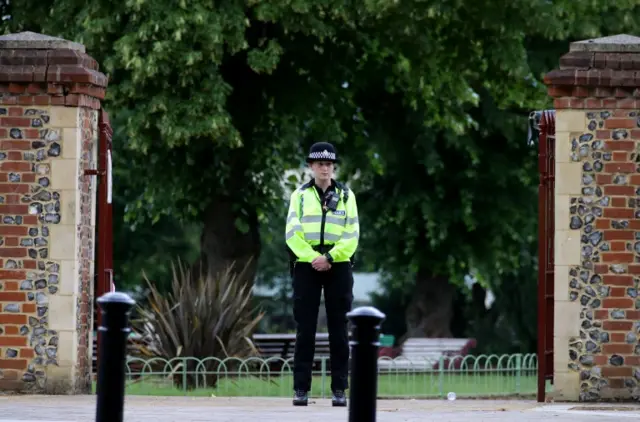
(309, 226)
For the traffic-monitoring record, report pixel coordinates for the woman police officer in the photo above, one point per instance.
(322, 234)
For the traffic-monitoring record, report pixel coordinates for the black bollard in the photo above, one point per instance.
(114, 330)
(364, 363)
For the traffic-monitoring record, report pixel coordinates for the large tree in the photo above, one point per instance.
(214, 99)
(448, 179)
(454, 191)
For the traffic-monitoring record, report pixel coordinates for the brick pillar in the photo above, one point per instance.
(597, 219)
(50, 93)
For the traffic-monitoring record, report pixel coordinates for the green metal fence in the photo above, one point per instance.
(467, 376)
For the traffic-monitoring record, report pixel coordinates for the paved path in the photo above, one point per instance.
(198, 409)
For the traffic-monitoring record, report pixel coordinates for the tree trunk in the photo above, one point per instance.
(222, 245)
(430, 311)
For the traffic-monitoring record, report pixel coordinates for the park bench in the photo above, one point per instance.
(283, 345)
(278, 348)
(424, 354)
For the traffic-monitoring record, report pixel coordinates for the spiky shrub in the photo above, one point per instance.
(202, 316)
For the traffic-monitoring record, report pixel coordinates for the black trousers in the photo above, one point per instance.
(338, 297)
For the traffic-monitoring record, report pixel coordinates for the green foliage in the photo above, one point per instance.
(392, 301)
(510, 326)
(274, 260)
(150, 249)
(216, 86)
(455, 180)
(427, 100)
(203, 316)
(147, 245)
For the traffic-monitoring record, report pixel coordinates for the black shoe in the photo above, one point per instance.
(300, 398)
(339, 399)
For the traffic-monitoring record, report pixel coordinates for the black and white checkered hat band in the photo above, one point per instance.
(322, 155)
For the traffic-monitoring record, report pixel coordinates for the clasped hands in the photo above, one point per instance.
(321, 263)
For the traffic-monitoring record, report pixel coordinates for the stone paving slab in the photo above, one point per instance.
(199, 409)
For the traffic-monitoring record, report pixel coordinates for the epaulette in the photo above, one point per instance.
(345, 191)
(306, 186)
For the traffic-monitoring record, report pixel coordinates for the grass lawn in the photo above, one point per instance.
(389, 385)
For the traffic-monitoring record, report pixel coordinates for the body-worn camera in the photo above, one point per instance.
(331, 200)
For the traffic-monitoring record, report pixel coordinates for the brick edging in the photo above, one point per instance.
(50, 77)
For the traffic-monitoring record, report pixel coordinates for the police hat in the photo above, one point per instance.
(322, 151)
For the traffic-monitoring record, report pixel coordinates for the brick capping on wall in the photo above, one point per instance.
(41, 70)
(601, 73)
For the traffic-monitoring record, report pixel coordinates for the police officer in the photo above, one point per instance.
(322, 236)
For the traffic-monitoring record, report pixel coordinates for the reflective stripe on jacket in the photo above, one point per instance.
(304, 225)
